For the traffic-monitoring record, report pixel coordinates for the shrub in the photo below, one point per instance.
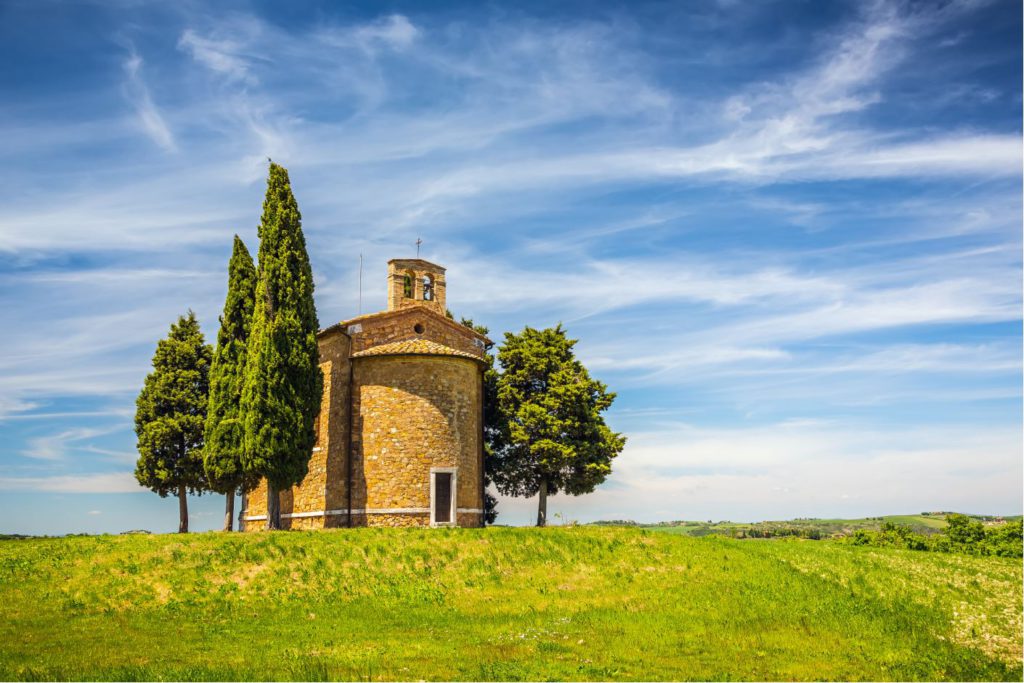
(964, 531)
(963, 535)
(1005, 540)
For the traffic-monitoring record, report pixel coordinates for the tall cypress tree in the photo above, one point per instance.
(170, 414)
(222, 454)
(283, 382)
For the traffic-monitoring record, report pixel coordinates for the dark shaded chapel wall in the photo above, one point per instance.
(325, 486)
(332, 489)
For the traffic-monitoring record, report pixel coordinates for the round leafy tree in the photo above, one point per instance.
(550, 435)
(170, 415)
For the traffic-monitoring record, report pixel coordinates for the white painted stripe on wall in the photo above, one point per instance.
(364, 511)
(296, 515)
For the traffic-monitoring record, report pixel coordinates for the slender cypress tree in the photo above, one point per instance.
(283, 382)
(170, 414)
(222, 454)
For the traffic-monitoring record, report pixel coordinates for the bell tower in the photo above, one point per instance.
(415, 282)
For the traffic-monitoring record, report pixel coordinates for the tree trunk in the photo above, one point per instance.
(229, 511)
(542, 504)
(182, 510)
(273, 507)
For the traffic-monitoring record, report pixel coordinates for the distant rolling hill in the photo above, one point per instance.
(925, 523)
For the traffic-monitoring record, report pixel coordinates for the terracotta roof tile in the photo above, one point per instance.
(415, 347)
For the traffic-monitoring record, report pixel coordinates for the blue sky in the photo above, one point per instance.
(788, 234)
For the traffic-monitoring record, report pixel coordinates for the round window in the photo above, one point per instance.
(418, 328)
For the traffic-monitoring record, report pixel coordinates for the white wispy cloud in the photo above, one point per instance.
(954, 300)
(395, 31)
(30, 411)
(394, 167)
(947, 155)
(150, 119)
(91, 343)
(56, 446)
(562, 171)
(791, 304)
(609, 284)
(797, 469)
(112, 482)
(220, 56)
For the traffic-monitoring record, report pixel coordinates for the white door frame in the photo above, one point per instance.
(454, 471)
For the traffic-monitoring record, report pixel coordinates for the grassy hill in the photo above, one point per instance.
(500, 603)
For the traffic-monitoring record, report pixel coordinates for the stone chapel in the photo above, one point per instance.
(399, 438)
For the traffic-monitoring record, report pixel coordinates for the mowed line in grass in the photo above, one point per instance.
(500, 604)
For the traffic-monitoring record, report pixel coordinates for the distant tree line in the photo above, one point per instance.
(961, 535)
(224, 419)
(811, 533)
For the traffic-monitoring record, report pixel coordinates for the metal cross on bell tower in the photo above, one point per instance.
(418, 243)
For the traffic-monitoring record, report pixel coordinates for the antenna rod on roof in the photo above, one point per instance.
(360, 283)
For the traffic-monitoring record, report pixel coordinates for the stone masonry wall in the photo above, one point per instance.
(394, 326)
(416, 269)
(412, 413)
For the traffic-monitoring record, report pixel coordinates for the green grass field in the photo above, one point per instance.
(500, 604)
